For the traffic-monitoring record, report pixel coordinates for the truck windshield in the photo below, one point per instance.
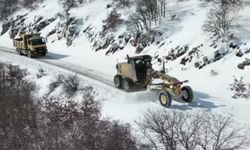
(37, 41)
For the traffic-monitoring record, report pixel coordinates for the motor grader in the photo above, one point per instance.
(137, 72)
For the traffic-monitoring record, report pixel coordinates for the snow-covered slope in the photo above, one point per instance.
(184, 31)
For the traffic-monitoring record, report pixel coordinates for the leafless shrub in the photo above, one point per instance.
(69, 4)
(123, 3)
(113, 20)
(74, 125)
(17, 123)
(16, 119)
(240, 89)
(53, 124)
(119, 136)
(30, 4)
(222, 132)
(135, 25)
(41, 73)
(13, 83)
(56, 123)
(7, 8)
(71, 84)
(147, 13)
(145, 147)
(213, 72)
(172, 130)
(55, 84)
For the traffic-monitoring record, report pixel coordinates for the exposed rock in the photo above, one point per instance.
(108, 41)
(247, 51)
(217, 55)
(239, 53)
(5, 27)
(233, 46)
(51, 32)
(141, 41)
(194, 53)
(241, 66)
(42, 24)
(244, 64)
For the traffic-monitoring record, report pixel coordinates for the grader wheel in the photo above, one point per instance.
(187, 94)
(165, 99)
(118, 81)
(30, 54)
(127, 84)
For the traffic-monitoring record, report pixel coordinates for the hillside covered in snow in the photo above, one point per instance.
(206, 42)
(191, 36)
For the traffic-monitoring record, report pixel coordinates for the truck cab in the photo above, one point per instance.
(37, 43)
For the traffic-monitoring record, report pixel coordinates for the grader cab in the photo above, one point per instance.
(137, 72)
(133, 72)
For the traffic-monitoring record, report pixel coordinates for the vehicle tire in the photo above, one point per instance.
(30, 54)
(118, 81)
(187, 94)
(19, 51)
(44, 53)
(165, 99)
(127, 84)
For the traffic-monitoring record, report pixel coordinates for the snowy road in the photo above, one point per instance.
(117, 104)
(120, 102)
(52, 59)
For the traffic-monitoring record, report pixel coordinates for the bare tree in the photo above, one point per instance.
(7, 7)
(54, 123)
(18, 117)
(221, 132)
(68, 4)
(71, 84)
(123, 3)
(160, 129)
(240, 89)
(135, 24)
(148, 13)
(173, 130)
(113, 20)
(221, 17)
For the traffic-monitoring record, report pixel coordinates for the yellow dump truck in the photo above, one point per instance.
(30, 44)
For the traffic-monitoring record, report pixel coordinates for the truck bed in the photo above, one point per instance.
(19, 43)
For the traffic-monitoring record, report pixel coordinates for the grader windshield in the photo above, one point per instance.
(142, 66)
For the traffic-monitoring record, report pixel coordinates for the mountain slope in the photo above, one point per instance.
(188, 50)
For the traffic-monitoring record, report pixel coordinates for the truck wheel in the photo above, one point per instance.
(118, 81)
(44, 53)
(127, 84)
(165, 99)
(18, 51)
(30, 54)
(187, 94)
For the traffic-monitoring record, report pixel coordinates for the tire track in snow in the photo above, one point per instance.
(91, 74)
(137, 97)
(97, 76)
